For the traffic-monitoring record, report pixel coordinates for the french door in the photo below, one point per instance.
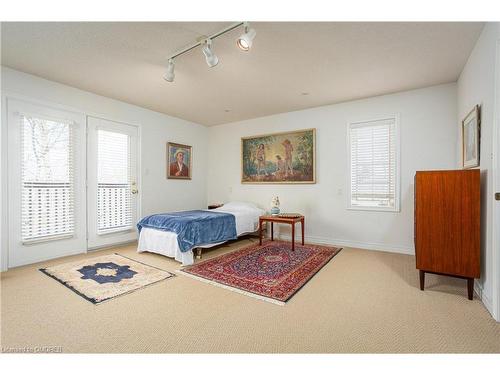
(46, 171)
(112, 186)
(68, 192)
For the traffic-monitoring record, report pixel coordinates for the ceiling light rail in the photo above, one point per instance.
(244, 42)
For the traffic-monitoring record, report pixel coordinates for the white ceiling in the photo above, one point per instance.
(330, 61)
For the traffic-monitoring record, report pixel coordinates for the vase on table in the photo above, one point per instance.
(275, 206)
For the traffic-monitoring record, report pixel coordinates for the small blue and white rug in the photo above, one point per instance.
(105, 277)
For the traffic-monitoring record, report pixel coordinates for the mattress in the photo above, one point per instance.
(165, 243)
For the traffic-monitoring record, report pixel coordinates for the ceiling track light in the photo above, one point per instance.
(170, 74)
(210, 57)
(244, 42)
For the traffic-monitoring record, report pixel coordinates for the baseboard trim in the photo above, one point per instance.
(487, 301)
(78, 252)
(46, 259)
(407, 250)
(110, 246)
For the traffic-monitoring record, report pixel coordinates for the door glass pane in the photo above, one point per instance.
(114, 206)
(47, 179)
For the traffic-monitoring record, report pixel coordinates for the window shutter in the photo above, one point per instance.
(373, 164)
(47, 178)
(114, 203)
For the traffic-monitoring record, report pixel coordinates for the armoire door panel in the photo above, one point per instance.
(471, 225)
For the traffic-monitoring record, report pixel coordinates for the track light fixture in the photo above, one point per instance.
(210, 56)
(246, 39)
(244, 42)
(170, 75)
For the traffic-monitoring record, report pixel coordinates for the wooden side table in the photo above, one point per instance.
(283, 220)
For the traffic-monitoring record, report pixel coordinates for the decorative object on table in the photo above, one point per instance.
(105, 277)
(179, 161)
(471, 138)
(289, 215)
(271, 272)
(279, 158)
(283, 220)
(215, 205)
(448, 224)
(275, 206)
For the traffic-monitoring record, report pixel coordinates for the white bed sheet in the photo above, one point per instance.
(165, 243)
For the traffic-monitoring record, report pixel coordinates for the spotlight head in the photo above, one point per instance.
(210, 57)
(245, 41)
(170, 74)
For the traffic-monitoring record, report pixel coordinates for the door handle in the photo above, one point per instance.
(133, 189)
(497, 196)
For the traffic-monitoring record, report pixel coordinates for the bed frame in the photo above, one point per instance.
(198, 250)
(198, 253)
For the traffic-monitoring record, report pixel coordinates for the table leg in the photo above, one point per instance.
(302, 225)
(272, 231)
(260, 232)
(293, 236)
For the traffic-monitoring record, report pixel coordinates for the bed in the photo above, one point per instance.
(178, 235)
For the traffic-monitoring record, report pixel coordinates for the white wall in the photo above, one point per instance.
(158, 193)
(476, 85)
(428, 119)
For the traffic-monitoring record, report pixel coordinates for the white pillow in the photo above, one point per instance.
(237, 204)
(243, 208)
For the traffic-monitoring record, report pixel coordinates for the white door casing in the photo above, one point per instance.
(117, 145)
(496, 182)
(22, 251)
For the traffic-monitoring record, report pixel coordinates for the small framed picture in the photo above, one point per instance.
(179, 159)
(471, 139)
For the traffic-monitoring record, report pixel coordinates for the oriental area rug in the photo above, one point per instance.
(271, 272)
(105, 277)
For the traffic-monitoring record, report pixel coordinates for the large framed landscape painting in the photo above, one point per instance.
(279, 158)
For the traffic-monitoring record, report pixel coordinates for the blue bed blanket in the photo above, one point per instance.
(193, 228)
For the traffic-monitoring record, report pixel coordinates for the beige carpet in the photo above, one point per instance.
(362, 301)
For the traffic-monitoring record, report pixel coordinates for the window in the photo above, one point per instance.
(47, 179)
(374, 177)
(114, 204)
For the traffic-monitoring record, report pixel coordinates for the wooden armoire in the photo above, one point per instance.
(447, 224)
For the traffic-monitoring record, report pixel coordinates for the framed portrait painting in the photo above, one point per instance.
(471, 139)
(179, 161)
(279, 158)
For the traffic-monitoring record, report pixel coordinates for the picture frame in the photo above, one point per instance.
(471, 139)
(279, 158)
(179, 161)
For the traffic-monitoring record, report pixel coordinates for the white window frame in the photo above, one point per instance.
(7, 188)
(397, 177)
(19, 252)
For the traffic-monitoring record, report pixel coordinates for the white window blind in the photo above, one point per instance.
(373, 156)
(114, 203)
(47, 179)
